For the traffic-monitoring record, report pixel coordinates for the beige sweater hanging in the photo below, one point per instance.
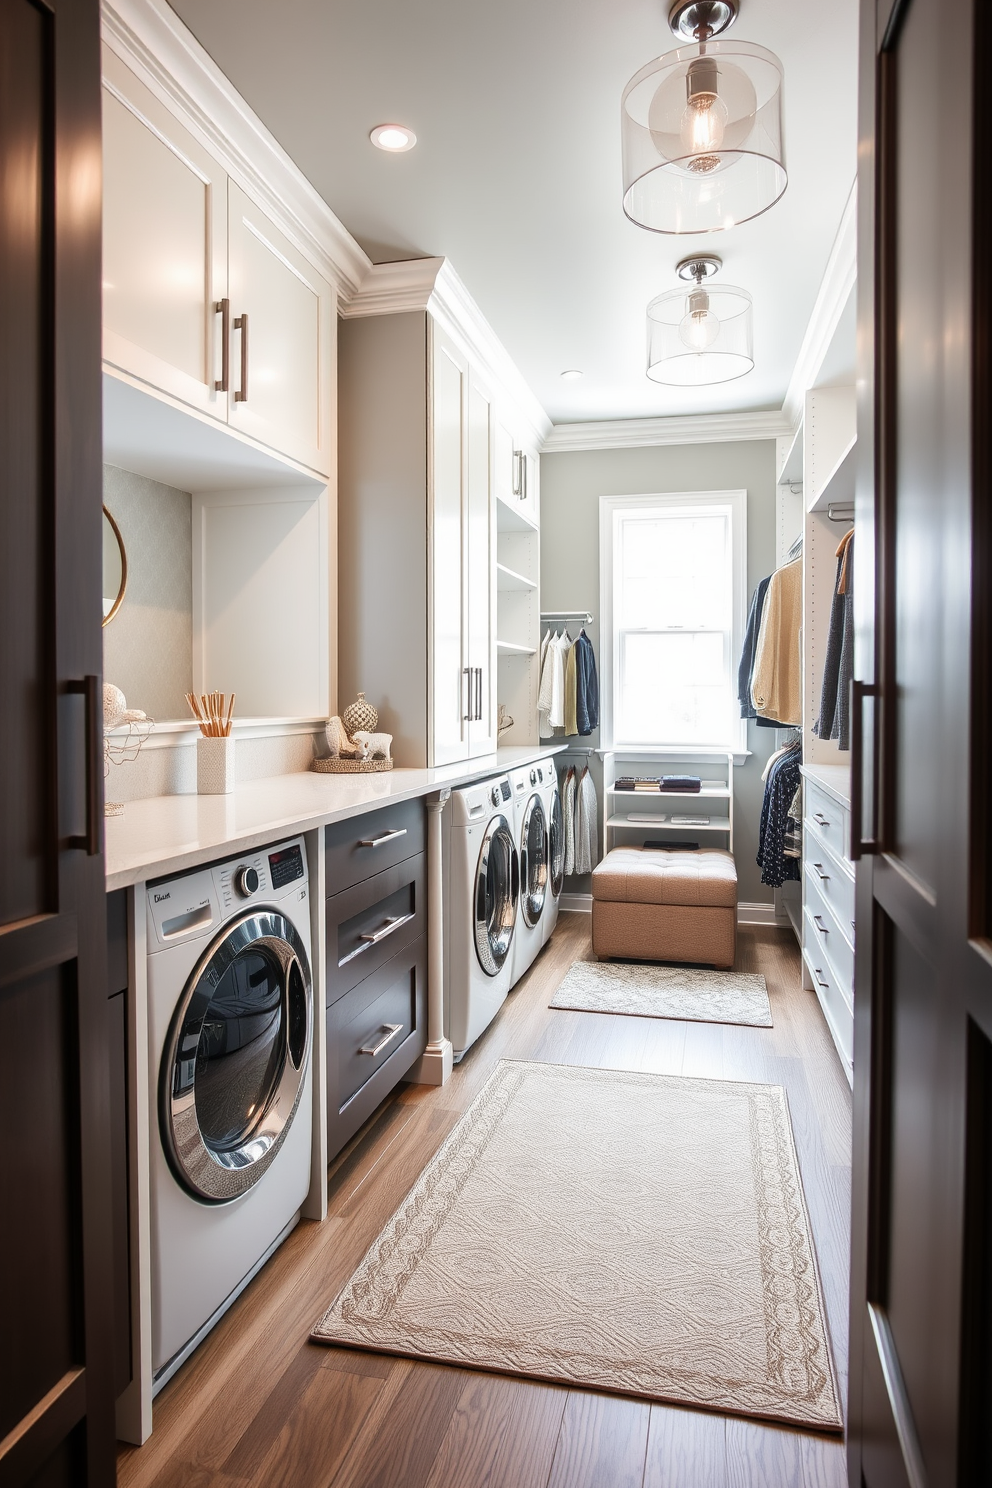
(776, 679)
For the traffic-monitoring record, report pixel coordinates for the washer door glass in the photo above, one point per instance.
(533, 861)
(497, 888)
(556, 845)
(235, 1063)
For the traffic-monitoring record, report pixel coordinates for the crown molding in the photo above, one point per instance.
(697, 428)
(431, 284)
(150, 38)
(839, 278)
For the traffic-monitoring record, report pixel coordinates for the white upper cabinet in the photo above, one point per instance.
(164, 246)
(205, 298)
(515, 469)
(281, 330)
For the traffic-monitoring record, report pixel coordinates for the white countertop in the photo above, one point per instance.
(834, 779)
(167, 834)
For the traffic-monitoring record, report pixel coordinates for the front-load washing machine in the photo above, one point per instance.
(230, 1026)
(482, 906)
(556, 846)
(531, 829)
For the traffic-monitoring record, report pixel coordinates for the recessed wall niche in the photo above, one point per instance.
(147, 647)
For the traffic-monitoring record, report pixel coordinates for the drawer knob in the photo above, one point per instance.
(391, 1030)
(389, 836)
(820, 819)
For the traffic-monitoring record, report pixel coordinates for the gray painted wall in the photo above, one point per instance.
(148, 646)
(571, 485)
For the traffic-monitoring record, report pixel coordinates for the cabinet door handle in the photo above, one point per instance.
(478, 694)
(372, 937)
(89, 841)
(241, 324)
(820, 979)
(383, 837)
(392, 1029)
(820, 819)
(467, 715)
(223, 309)
(860, 845)
(818, 922)
(818, 870)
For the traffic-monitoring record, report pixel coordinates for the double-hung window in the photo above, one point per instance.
(673, 578)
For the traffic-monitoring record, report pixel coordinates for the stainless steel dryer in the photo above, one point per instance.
(230, 1025)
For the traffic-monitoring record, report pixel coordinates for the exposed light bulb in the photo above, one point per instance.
(699, 327)
(704, 120)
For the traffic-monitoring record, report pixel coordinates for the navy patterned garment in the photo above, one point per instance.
(780, 788)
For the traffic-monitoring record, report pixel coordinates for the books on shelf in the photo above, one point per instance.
(676, 784)
(690, 821)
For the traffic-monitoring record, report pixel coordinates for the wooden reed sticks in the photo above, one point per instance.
(213, 713)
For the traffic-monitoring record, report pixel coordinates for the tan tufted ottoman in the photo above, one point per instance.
(665, 906)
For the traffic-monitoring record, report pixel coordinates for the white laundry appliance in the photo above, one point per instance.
(556, 845)
(230, 1028)
(531, 834)
(483, 888)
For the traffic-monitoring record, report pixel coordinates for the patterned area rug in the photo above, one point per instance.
(665, 992)
(645, 1234)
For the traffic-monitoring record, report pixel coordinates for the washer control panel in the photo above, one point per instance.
(197, 902)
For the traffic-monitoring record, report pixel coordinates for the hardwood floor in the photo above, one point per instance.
(259, 1405)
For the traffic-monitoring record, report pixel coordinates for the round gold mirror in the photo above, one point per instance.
(114, 567)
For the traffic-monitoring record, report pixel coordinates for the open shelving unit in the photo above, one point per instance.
(624, 821)
(518, 621)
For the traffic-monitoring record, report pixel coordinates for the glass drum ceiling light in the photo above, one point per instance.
(700, 335)
(702, 129)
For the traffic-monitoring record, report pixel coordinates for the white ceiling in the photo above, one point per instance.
(516, 173)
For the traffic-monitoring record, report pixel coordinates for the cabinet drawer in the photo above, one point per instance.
(826, 818)
(374, 1034)
(834, 881)
(840, 1018)
(363, 845)
(371, 922)
(836, 944)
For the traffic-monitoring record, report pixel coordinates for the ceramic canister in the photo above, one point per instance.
(214, 765)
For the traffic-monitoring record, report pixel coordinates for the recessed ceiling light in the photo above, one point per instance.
(393, 137)
(571, 374)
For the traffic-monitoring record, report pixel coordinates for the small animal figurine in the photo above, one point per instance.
(375, 746)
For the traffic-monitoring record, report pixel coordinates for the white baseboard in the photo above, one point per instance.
(762, 914)
(580, 902)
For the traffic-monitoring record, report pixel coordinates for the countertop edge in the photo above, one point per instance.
(125, 869)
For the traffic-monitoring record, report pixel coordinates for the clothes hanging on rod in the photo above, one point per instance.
(586, 831)
(777, 865)
(776, 679)
(834, 721)
(568, 696)
(746, 669)
(568, 818)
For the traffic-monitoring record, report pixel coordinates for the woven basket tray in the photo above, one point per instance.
(350, 766)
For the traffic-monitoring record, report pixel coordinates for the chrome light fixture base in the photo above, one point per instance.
(699, 19)
(699, 266)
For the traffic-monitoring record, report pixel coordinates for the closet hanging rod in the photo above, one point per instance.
(840, 511)
(582, 615)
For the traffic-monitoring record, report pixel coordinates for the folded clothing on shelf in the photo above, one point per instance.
(637, 783)
(681, 783)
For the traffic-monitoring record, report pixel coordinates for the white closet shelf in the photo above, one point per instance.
(509, 648)
(509, 519)
(708, 793)
(792, 466)
(715, 824)
(508, 580)
(838, 488)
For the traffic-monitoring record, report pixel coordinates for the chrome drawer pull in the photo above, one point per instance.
(820, 979)
(818, 922)
(392, 1029)
(820, 819)
(389, 836)
(823, 877)
(372, 938)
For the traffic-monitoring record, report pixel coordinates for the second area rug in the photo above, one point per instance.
(639, 1233)
(665, 992)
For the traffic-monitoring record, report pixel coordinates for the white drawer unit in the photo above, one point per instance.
(828, 902)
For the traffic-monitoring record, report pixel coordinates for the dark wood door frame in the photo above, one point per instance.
(56, 1396)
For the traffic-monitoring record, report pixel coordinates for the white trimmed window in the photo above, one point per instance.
(673, 580)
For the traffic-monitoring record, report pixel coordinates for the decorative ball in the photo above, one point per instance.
(360, 717)
(114, 706)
